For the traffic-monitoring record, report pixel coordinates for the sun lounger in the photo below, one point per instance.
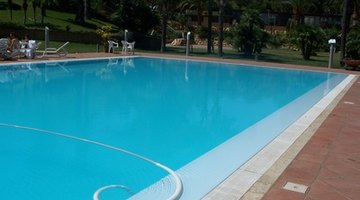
(61, 51)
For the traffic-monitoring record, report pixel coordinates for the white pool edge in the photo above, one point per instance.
(238, 183)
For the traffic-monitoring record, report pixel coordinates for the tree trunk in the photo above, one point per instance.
(79, 17)
(34, 10)
(11, 9)
(344, 29)
(221, 27)
(25, 7)
(163, 27)
(87, 9)
(43, 12)
(210, 46)
(356, 15)
(199, 17)
(163, 33)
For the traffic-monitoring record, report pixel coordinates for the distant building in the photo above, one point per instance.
(272, 20)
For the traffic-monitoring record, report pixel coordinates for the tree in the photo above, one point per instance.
(11, 9)
(167, 7)
(344, 28)
(34, 5)
(353, 43)
(25, 7)
(43, 5)
(209, 30)
(221, 27)
(298, 8)
(164, 20)
(135, 15)
(80, 15)
(199, 5)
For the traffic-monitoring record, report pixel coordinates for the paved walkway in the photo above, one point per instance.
(329, 164)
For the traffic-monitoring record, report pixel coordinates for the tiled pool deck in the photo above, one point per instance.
(323, 163)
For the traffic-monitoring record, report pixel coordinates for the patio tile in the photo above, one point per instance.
(308, 154)
(333, 153)
(282, 194)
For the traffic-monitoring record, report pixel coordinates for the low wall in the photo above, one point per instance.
(61, 36)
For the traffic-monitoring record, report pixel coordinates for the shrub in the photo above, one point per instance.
(201, 32)
(105, 33)
(247, 35)
(353, 43)
(276, 40)
(307, 38)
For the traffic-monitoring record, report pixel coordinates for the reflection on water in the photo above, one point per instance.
(49, 70)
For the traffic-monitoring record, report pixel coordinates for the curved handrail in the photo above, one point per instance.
(179, 186)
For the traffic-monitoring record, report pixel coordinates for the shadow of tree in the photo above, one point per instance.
(85, 25)
(39, 25)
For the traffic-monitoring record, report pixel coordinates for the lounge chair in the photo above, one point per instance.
(112, 46)
(61, 51)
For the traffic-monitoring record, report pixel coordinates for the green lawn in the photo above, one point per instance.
(283, 56)
(269, 55)
(295, 57)
(53, 19)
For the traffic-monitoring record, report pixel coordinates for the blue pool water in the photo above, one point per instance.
(172, 111)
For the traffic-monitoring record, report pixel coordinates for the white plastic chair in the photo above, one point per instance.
(112, 46)
(131, 47)
(128, 47)
(30, 50)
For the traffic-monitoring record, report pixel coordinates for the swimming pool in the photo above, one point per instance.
(202, 119)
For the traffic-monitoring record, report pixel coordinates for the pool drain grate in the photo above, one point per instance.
(295, 187)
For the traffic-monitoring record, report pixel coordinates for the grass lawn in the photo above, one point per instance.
(74, 47)
(53, 19)
(269, 55)
(283, 56)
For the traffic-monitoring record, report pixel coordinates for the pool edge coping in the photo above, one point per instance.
(255, 177)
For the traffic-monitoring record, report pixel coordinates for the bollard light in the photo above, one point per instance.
(332, 43)
(188, 43)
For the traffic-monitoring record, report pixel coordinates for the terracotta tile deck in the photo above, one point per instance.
(330, 161)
